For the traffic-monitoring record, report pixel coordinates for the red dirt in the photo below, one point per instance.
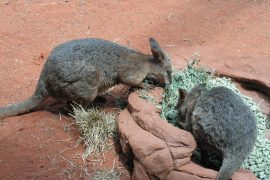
(31, 145)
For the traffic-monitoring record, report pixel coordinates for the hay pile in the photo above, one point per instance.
(106, 174)
(259, 160)
(96, 128)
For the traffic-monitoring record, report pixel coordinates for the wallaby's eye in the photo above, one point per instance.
(169, 59)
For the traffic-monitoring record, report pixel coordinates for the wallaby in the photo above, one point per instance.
(220, 122)
(81, 69)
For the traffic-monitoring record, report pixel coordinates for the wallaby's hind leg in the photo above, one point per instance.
(86, 96)
(87, 101)
(210, 157)
(53, 105)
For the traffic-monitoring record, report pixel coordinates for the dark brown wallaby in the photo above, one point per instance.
(79, 70)
(221, 123)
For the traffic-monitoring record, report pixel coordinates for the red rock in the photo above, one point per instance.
(195, 169)
(137, 138)
(159, 163)
(139, 172)
(158, 126)
(157, 93)
(176, 175)
(180, 162)
(180, 153)
(125, 175)
(244, 174)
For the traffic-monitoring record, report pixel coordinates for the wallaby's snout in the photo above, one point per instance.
(160, 64)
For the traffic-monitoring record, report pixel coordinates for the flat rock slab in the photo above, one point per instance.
(249, 68)
(160, 150)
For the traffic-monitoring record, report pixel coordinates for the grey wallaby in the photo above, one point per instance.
(80, 70)
(221, 123)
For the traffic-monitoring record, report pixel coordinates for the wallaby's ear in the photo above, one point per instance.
(182, 97)
(156, 50)
(198, 89)
(182, 94)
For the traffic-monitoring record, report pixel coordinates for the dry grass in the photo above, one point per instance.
(106, 174)
(96, 128)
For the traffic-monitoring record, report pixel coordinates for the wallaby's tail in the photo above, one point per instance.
(21, 107)
(25, 106)
(229, 166)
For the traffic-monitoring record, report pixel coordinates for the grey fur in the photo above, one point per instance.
(79, 70)
(221, 123)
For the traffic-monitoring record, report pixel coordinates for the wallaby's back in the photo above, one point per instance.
(221, 109)
(226, 122)
(95, 60)
(223, 123)
(98, 52)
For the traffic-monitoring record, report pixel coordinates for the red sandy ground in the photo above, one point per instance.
(36, 145)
